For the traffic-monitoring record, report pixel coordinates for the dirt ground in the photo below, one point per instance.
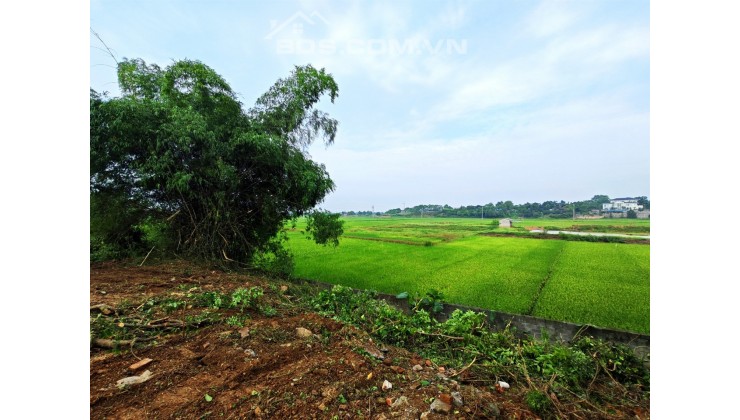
(265, 368)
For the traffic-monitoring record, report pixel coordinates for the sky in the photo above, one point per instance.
(440, 102)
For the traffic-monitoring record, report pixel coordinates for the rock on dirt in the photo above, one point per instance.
(439, 406)
(372, 350)
(400, 402)
(398, 369)
(446, 398)
(303, 332)
(387, 385)
(457, 399)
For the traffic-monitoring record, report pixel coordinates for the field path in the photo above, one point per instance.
(554, 264)
(618, 235)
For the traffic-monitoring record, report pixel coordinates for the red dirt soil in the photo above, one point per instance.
(271, 372)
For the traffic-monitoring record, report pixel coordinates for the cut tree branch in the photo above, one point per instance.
(147, 256)
(111, 344)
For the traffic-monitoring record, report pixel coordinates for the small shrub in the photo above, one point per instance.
(618, 359)
(324, 227)
(570, 365)
(538, 402)
(275, 259)
(234, 321)
(464, 323)
(171, 305)
(103, 251)
(155, 233)
(104, 327)
(243, 298)
(213, 300)
(268, 310)
(433, 301)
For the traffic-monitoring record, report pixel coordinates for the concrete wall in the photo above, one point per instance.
(615, 215)
(524, 325)
(534, 327)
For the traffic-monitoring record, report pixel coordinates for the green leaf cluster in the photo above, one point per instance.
(324, 227)
(465, 338)
(243, 298)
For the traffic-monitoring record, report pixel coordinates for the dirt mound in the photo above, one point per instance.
(279, 363)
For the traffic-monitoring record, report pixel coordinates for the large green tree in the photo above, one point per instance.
(177, 158)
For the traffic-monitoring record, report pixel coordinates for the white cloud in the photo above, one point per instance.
(566, 64)
(552, 17)
(588, 146)
(602, 45)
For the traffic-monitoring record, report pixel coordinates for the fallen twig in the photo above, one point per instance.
(581, 399)
(147, 256)
(524, 368)
(173, 215)
(580, 330)
(553, 398)
(178, 324)
(157, 321)
(441, 335)
(111, 344)
(104, 309)
(465, 368)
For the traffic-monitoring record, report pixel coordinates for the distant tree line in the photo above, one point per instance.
(364, 213)
(553, 209)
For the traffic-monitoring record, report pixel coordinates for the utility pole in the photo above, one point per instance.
(574, 211)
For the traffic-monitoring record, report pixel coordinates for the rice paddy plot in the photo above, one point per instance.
(606, 285)
(602, 284)
(503, 273)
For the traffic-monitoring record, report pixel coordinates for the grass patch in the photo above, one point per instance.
(606, 285)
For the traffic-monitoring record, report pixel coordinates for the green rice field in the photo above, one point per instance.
(602, 284)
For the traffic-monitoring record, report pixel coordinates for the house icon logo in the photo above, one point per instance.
(296, 23)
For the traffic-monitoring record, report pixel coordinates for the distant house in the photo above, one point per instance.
(504, 223)
(621, 205)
